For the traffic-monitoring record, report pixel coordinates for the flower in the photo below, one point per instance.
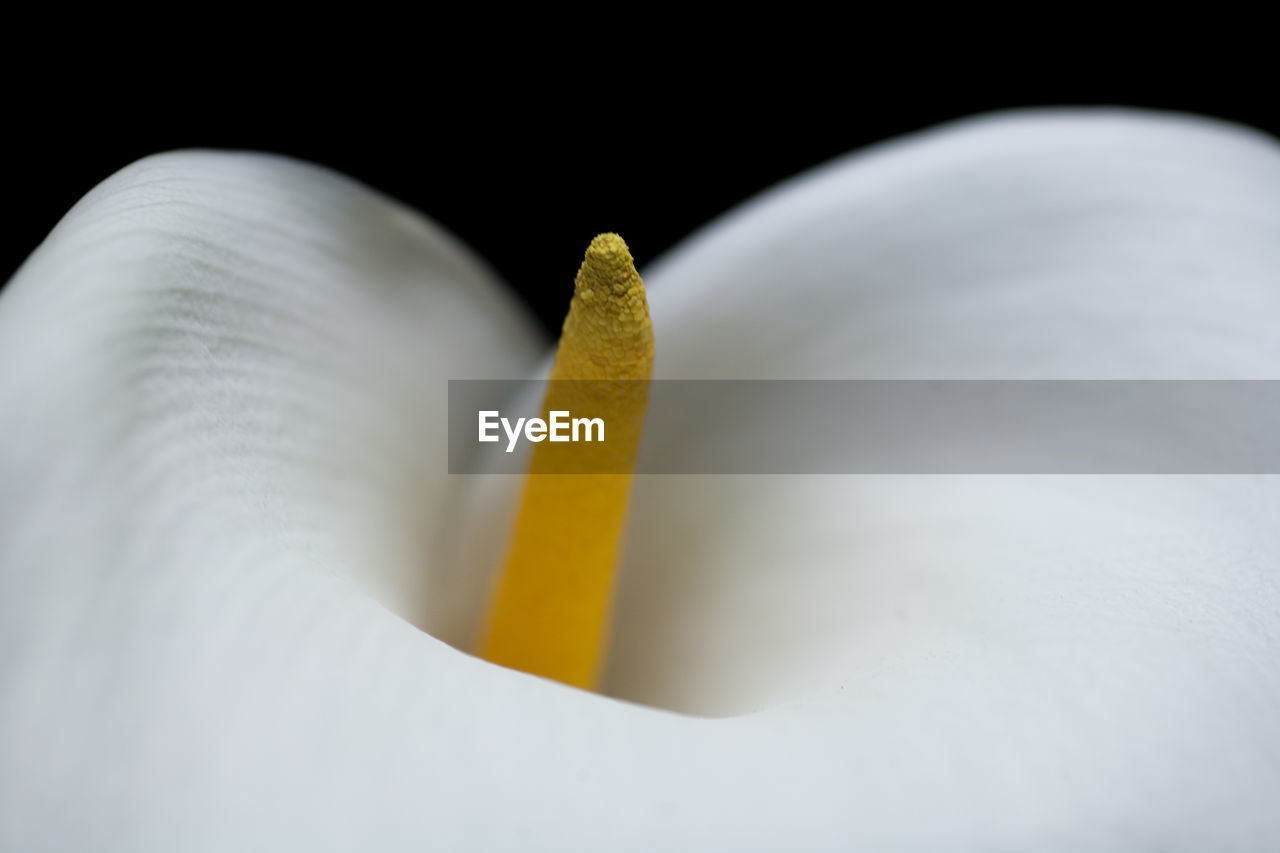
(221, 397)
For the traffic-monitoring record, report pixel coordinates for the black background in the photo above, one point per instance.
(527, 166)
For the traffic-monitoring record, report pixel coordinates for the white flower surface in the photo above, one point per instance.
(225, 522)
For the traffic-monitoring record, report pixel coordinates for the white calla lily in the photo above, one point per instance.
(223, 507)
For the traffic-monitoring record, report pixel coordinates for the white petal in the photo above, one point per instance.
(212, 333)
(231, 687)
(221, 392)
(1090, 662)
(1052, 244)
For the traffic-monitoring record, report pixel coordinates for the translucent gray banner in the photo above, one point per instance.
(873, 427)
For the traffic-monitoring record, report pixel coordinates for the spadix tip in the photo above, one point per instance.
(608, 267)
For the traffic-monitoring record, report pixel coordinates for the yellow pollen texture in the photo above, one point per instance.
(550, 613)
